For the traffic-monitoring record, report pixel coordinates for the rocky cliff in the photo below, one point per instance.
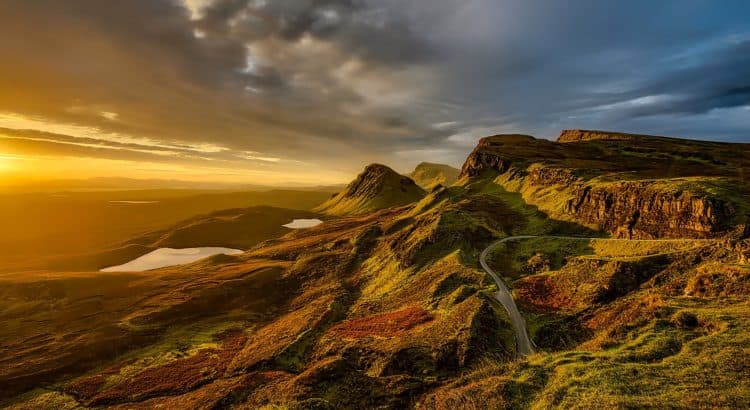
(638, 210)
(628, 185)
(593, 135)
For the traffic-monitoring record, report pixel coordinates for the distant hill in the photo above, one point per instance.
(98, 220)
(427, 175)
(240, 228)
(377, 187)
(233, 228)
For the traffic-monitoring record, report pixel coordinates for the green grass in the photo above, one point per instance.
(662, 366)
(512, 258)
(536, 220)
(650, 348)
(659, 365)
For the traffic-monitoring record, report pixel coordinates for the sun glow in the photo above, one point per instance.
(34, 149)
(7, 161)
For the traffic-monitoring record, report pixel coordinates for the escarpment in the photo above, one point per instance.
(638, 211)
(592, 135)
(632, 186)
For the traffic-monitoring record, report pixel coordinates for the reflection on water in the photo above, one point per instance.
(303, 223)
(168, 257)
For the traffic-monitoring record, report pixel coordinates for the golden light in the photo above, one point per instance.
(6, 162)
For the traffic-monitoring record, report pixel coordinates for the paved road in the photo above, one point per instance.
(524, 345)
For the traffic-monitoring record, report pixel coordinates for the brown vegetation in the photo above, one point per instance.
(384, 325)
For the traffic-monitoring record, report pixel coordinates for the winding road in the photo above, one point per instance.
(524, 345)
(523, 342)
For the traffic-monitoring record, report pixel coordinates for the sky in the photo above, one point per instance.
(309, 91)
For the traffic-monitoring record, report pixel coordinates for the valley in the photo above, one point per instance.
(113, 226)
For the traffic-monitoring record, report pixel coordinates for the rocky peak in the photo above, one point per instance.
(376, 178)
(377, 187)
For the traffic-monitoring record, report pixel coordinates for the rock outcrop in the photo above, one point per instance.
(591, 135)
(638, 211)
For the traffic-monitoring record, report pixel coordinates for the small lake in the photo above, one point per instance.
(303, 223)
(169, 257)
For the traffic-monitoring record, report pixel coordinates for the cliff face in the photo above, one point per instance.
(589, 178)
(591, 135)
(635, 210)
(490, 154)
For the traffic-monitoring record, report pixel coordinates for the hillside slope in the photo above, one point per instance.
(428, 175)
(377, 187)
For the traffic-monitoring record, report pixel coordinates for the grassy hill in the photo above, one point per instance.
(377, 187)
(428, 175)
(623, 324)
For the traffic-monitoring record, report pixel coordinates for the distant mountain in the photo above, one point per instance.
(377, 187)
(427, 175)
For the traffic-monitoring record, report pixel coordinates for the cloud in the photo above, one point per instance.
(38, 143)
(337, 83)
(721, 79)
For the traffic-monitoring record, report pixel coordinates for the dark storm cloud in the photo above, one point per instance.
(367, 30)
(720, 80)
(339, 82)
